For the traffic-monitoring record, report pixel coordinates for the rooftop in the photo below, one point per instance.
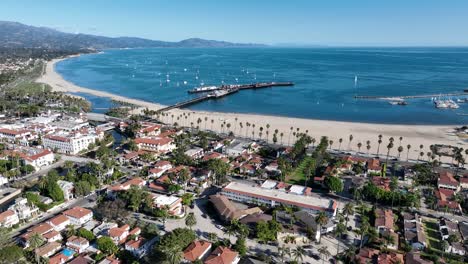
(311, 201)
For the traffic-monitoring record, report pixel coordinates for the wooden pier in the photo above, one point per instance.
(243, 86)
(222, 91)
(371, 97)
(213, 95)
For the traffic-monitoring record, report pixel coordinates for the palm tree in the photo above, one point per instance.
(389, 147)
(421, 154)
(359, 145)
(235, 125)
(339, 231)
(401, 138)
(35, 241)
(368, 147)
(313, 140)
(330, 143)
(340, 141)
(348, 210)
(290, 131)
(408, 147)
(298, 254)
(323, 251)
(350, 140)
(400, 149)
(190, 220)
(378, 147)
(283, 252)
(281, 136)
(321, 219)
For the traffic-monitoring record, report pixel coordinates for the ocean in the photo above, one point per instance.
(326, 80)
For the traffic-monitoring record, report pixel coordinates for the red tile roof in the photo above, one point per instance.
(153, 141)
(6, 214)
(221, 255)
(58, 220)
(77, 212)
(195, 250)
(447, 178)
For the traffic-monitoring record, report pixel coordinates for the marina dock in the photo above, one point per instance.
(222, 91)
(394, 98)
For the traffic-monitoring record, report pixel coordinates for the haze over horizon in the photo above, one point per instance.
(334, 23)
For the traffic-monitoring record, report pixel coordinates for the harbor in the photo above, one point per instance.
(216, 92)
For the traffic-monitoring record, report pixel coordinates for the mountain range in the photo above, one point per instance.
(17, 35)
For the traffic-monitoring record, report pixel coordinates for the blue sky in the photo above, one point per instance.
(330, 22)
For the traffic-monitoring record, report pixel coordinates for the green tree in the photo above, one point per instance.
(241, 246)
(220, 170)
(334, 184)
(106, 245)
(190, 220)
(267, 231)
(83, 188)
(11, 254)
(84, 233)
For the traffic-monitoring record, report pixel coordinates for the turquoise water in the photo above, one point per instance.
(68, 252)
(324, 78)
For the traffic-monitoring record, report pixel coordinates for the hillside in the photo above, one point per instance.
(17, 35)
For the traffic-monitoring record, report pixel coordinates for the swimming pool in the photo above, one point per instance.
(68, 252)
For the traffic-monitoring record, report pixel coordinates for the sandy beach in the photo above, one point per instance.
(415, 135)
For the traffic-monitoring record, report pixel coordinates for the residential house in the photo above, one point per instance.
(445, 200)
(373, 166)
(78, 244)
(23, 208)
(78, 215)
(381, 182)
(137, 182)
(197, 250)
(414, 257)
(172, 203)
(35, 157)
(59, 222)
(119, 234)
(159, 169)
(138, 246)
(447, 181)
(8, 218)
(223, 255)
(447, 228)
(194, 153)
(45, 230)
(48, 249)
(383, 220)
(414, 231)
(67, 189)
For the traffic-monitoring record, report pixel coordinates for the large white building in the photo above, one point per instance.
(272, 193)
(155, 144)
(71, 142)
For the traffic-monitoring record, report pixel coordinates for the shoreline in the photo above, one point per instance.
(412, 134)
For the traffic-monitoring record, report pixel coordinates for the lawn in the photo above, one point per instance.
(433, 235)
(298, 177)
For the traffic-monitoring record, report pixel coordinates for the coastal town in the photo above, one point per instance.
(149, 187)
